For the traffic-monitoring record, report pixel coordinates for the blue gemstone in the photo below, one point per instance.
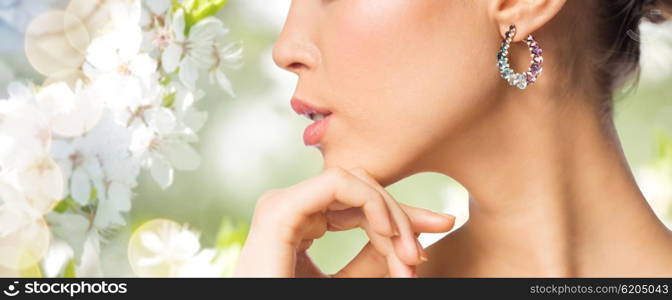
(520, 81)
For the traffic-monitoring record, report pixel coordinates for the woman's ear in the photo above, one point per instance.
(527, 15)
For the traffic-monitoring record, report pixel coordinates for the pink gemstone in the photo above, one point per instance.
(530, 78)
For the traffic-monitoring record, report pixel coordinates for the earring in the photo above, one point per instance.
(520, 80)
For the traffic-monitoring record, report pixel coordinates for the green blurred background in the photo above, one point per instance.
(253, 143)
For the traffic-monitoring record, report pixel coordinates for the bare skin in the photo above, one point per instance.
(569, 205)
(413, 87)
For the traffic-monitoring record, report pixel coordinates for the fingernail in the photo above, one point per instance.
(395, 230)
(421, 252)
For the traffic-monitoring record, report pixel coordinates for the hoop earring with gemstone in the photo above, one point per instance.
(520, 80)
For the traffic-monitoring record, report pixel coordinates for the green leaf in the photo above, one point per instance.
(197, 10)
(94, 195)
(664, 143)
(206, 8)
(230, 234)
(65, 204)
(663, 157)
(32, 271)
(69, 271)
(168, 100)
(27, 258)
(165, 80)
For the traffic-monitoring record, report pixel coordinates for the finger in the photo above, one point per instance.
(304, 245)
(340, 220)
(385, 246)
(372, 262)
(422, 220)
(354, 217)
(406, 245)
(318, 193)
(315, 226)
(425, 220)
(396, 268)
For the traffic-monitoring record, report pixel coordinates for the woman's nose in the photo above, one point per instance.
(295, 50)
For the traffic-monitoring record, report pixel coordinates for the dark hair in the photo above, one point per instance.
(618, 28)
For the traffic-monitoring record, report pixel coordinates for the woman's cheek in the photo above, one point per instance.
(356, 43)
(368, 47)
(386, 56)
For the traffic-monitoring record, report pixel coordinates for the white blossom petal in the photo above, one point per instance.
(142, 66)
(188, 73)
(160, 248)
(42, 183)
(71, 228)
(195, 119)
(13, 209)
(206, 30)
(224, 82)
(101, 55)
(80, 186)
(25, 134)
(25, 247)
(129, 42)
(170, 58)
(158, 7)
(178, 25)
(162, 120)
(90, 265)
(112, 205)
(81, 115)
(55, 98)
(120, 195)
(151, 241)
(162, 172)
(185, 244)
(141, 140)
(181, 155)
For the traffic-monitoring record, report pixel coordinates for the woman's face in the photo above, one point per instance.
(400, 77)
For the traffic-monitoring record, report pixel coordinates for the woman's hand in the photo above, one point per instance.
(286, 221)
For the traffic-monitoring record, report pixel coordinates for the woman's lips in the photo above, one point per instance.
(315, 131)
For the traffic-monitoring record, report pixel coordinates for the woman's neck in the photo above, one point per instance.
(551, 194)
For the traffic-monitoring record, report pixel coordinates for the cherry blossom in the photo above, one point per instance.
(71, 152)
